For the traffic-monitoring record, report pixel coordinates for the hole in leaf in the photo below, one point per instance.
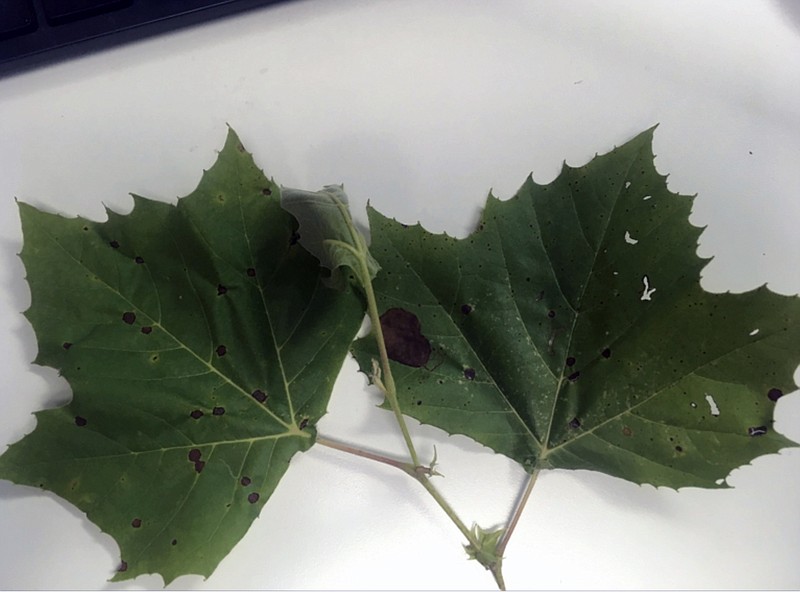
(253, 497)
(129, 317)
(646, 197)
(774, 394)
(136, 522)
(629, 239)
(196, 414)
(627, 184)
(405, 342)
(712, 405)
(218, 411)
(648, 291)
(757, 431)
(80, 421)
(245, 481)
(754, 332)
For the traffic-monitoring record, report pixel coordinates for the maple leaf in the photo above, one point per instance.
(201, 346)
(570, 331)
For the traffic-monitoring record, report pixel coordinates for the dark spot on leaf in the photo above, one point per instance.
(129, 317)
(138, 260)
(147, 330)
(114, 244)
(198, 466)
(266, 191)
(253, 497)
(66, 345)
(574, 376)
(570, 361)
(606, 353)
(123, 566)
(245, 481)
(679, 448)
(196, 414)
(80, 421)
(195, 454)
(419, 402)
(405, 342)
(259, 395)
(551, 314)
(221, 350)
(136, 522)
(221, 290)
(774, 394)
(469, 373)
(174, 542)
(466, 309)
(294, 238)
(303, 423)
(574, 423)
(626, 431)
(757, 431)
(251, 272)
(218, 411)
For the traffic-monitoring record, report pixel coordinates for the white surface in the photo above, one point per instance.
(422, 107)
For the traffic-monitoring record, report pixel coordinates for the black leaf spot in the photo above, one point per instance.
(574, 423)
(606, 353)
(466, 309)
(80, 421)
(551, 314)
(774, 394)
(129, 317)
(114, 244)
(266, 191)
(303, 423)
(195, 454)
(198, 466)
(469, 373)
(147, 330)
(221, 290)
(221, 350)
(196, 414)
(66, 345)
(138, 260)
(136, 522)
(405, 342)
(419, 402)
(123, 566)
(574, 376)
(218, 411)
(757, 431)
(251, 272)
(570, 362)
(293, 240)
(253, 497)
(245, 481)
(679, 448)
(174, 542)
(259, 395)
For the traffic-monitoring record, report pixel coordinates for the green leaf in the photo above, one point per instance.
(327, 230)
(570, 331)
(201, 347)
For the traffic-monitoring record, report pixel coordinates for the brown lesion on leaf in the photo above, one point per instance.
(627, 431)
(404, 340)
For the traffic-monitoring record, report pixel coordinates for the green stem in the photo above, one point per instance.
(515, 515)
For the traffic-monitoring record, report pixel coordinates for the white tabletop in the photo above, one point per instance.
(422, 107)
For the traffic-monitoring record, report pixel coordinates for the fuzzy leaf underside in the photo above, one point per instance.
(201, 347)
(570, 331)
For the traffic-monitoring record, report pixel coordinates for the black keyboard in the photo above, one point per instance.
(33, 32)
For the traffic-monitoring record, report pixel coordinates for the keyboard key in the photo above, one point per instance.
(58, 12)
(16, 18)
